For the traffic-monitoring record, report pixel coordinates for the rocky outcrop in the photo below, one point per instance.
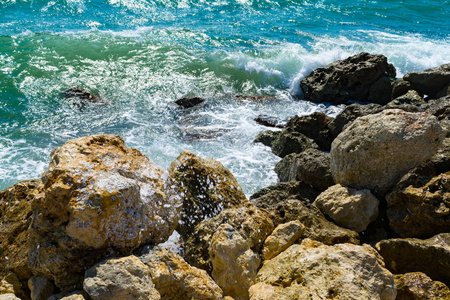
(418, 286)
(41, 288)
(316, 271)
(270, 121)
(421, 211)
(174, 278)
(188, 102)
(364, 77)
(431, 256)
(284, 208)
(266, 137)
(312, 167)
(80, 98)
(120, 278)
(251, 223)
(206, 186)
(98, 197)
(349, 208)
(430, 81)
(291, 141)
(410, 97)
(9, 296)
(374, 151)
(401, 87)
(283, 190)
(281, 238)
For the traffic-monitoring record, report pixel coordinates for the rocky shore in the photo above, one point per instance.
(361, 210)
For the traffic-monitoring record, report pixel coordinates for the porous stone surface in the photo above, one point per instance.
(206, 187)
(364, 77)
(285, 189)
(430, 81)
(9, 296)
(401, 87)
(120, 278)
(411, 97)
(291, 141)
(349, 208)
(281, 238)
(174, 278)
(252, 224)
(420, 210)
(375, 151)
(430, 256)
(75, 295)
(15, 218)
(98, 197)
(284, 208)
(313, 270)
(234, 264)
(418, 286)
(41, 288)
(266, 137)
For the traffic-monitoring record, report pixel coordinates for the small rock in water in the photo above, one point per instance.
(254, 98)
(188, 102)
(81, 96)
(270, 121)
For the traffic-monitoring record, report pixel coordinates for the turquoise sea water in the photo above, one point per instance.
(142, 55)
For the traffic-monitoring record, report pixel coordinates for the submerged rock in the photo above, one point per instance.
(430, 81)
(375, 151)
(188, 102)
(255, 98)
(431, 256)
(98, 197)
(206, 187)
(80, 97)
(270, 121)
(363, 77)
(418, 286)
(313, 270)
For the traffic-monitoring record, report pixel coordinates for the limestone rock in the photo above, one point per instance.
(421, 211)
(349, 208)
(188, 102)
(9, 296)
(206, 186)
(431, 256)
(281, 238)
(430, 81)
(234, 263)
(286, 189)
(291, 141)
(15, 219)
(411, 97)
(316, 271)
(174, 278)
(252, 224)
(284, 208)
(98, 197)
(266, 137)
(375, 151)
(418, 286)
(75, 295)
(120, 278)
(287, 168)
(351, 79)
(41, 288)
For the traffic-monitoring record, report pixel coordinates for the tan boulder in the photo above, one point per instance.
(376, 150)
(281, 238)
(99, 197)
(174, 278)
(349, 208)
(418, 286)
(75, 295)
(207, 187)
(313, 270)
(9, 296)
(120, 278)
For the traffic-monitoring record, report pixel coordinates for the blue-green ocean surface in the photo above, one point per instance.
(141, 55)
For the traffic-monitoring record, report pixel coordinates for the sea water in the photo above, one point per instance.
(142, 55)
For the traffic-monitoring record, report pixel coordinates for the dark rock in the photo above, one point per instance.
(267, 137)
(418, 286)
(430, 81)
(349, 114)
(431, 256)
(438, 107)
(290, 141)
(190, 134)
(401, 87)
(445, 91)
(289, 189)
(270, 121)
(312, 166)
(188, 102)
(405, 107)
(411, 97)
(351, 79)
(254, 98)
(80, 97)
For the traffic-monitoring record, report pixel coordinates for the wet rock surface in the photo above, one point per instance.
(188, 102)
(418, 286)
(430, 81)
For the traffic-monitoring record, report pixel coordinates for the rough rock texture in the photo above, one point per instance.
(207, 187)
(75, 295)
(291, 141)
(349, 208)
(252, 223)
(98, 197)
(188, 102)
(364, 77)
(418, 286)
(174, 278)
(266, 137)
(120, 278)
(430, 81)
(312, 167)
(234, 263)
(15, 218)
(441, 109)
(401, 87)
(375, 151)
(41, 288)
(9, 296)
(286, 189)
(284, 208)
(281, 238)
(431, 256)
(316, 271)
(351, 113)
(420, 211)
(270, 121)
(411, 97)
